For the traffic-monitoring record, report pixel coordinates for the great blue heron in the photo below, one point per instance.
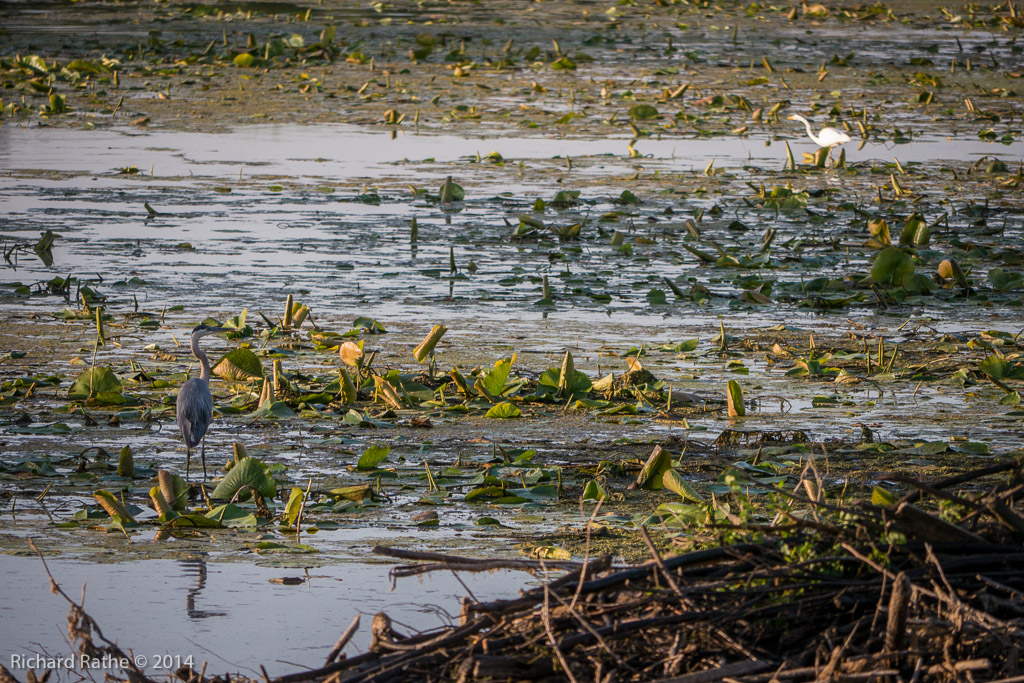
(826, 137)
(195, 402)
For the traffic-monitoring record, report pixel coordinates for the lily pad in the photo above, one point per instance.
(1004, 280)
(651, 473)
(593, 492)
(643, 112)
(232, 515)
(371, 457)
(504, 410)
(293, 506)
(891, 266)
(239, 365)
(248, 472)
(495, 380)
(99, 385)
(674, 482)
(734, 398)
(274, 409)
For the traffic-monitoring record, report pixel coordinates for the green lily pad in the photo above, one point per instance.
(594, 492)
(891, 265)
(674, 482)
(248, 472)
(371, 457)
(270, 547)
(643, 112)
(99, 385)
(193, 521)
(239, 365)
(504, 410)
(651, 473)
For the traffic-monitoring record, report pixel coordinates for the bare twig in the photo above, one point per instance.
(445, 562)
(80, 624)
(546, 617)
(343, 641)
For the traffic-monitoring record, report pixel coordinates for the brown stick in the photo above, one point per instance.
(921, 526)
(661, 565)
(949, 596)
(589, 627)
(410, 647)
(445, 562)
(536, 595)
(917, 590)
(965, 665)
(837, 657)
(896, 624)
(343, 640)
(546, 618)
(1016, 463)
(925, 487)
(695, 558)
(324, 671)
(1004, 514)
(624, 628)
(679, 593)
(586, 553)
(720, 673)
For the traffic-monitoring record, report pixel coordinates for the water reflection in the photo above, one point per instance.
(196, 566)
(138, 605)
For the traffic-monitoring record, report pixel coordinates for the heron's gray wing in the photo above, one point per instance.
(195, 411)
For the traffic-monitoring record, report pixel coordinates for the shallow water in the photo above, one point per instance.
(346, 153)
(280, 207)
(246, 218)
(227, 614)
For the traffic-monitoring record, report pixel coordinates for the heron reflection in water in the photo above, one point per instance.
(196, 566)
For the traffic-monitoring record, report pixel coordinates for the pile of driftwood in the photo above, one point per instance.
(826, 592)
(857, 593)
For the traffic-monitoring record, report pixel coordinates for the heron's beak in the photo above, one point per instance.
(791, 118)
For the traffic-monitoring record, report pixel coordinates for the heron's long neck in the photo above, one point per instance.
(204, 374)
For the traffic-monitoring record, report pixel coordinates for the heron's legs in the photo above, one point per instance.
(188, 459)
(202, 453)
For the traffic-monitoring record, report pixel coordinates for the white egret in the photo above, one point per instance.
(195, 402)
(826, 137)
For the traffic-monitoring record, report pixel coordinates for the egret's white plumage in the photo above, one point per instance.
(194, 405)
(826, 137)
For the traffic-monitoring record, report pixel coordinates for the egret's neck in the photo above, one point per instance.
(807, 125)
(204, 374)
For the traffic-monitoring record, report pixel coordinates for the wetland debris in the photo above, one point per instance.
(831, 589)
(834, 589)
